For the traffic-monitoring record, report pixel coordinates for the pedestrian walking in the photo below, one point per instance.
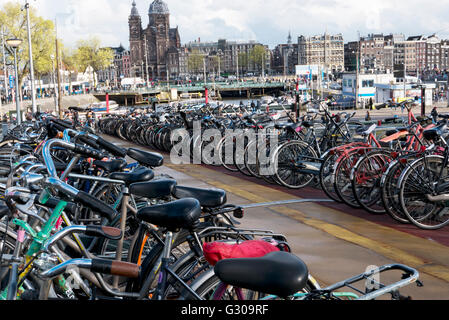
(368, 116)
(434, 115)
(253, 106)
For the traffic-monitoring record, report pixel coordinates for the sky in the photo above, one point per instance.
(265, 21)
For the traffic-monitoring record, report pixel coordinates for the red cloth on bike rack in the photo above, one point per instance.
(216, 251)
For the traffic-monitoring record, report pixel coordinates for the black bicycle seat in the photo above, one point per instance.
(279, 273)
(111, 166)
(391, 132)
(180, 214)
(150, 159)
(209, 198)
(435, 133)
(153, 189)
(140, 175)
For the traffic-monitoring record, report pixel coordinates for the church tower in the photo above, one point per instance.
(159, 26)
(154, 49)
(135, 39)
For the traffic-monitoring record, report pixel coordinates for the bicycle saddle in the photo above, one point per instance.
(153, 189)
(281, 126)
(150, 159)
(209, 198)
(365, 130)
(180, 214)
(139, 175)
(111, 166)
(279, 273)
(307, 124)
(391, 132)
(435, 133)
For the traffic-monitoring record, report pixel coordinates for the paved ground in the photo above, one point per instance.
(48, 104)
(335, 241)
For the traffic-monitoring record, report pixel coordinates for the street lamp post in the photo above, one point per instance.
(55, 92)
(5, 72)
(14, 44)
(30, 50)
(237, 64)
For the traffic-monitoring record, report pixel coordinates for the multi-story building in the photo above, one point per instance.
(326, 50)
(433, 52)
(153, 47)
(285, 57)
(416, 55)
(119, 69)
(444, 55)
(388, 61)
(372, 53)
(230, 57)
(351, 51)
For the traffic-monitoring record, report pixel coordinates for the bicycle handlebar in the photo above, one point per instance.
(118, 268)
(102, 231)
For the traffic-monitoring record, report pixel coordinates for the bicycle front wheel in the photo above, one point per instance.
(425, 178)
(366, 178)
(295, 164)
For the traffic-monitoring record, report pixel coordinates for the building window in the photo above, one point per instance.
(368, 83)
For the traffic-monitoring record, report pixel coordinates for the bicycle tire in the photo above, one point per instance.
(295, 178)
(414, 187)
(366, 176)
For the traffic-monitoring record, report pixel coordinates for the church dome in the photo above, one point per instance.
(158, 7)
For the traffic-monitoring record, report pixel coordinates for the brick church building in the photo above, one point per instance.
(152, 47)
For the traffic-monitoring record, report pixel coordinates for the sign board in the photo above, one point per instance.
(302, 70)
(309, 71)
(11, 82)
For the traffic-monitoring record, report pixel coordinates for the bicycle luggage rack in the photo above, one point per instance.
(374, 288)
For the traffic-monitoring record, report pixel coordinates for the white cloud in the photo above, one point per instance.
(267, 21)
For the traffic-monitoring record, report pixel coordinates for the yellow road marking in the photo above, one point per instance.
(388, 251)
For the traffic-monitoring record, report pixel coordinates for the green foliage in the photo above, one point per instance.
(258, 55)
(68, 58)
(243, 60)
(195, 62)
(13, 22)
(89, 53)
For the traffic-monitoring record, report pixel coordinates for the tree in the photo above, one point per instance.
(258, 55)
(90, 54)
(13, 20)
(215, 63)
(68, 57)
(195, 62)
(243, 60)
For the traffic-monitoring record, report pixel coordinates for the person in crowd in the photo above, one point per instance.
(368, 116)
(434, 114)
